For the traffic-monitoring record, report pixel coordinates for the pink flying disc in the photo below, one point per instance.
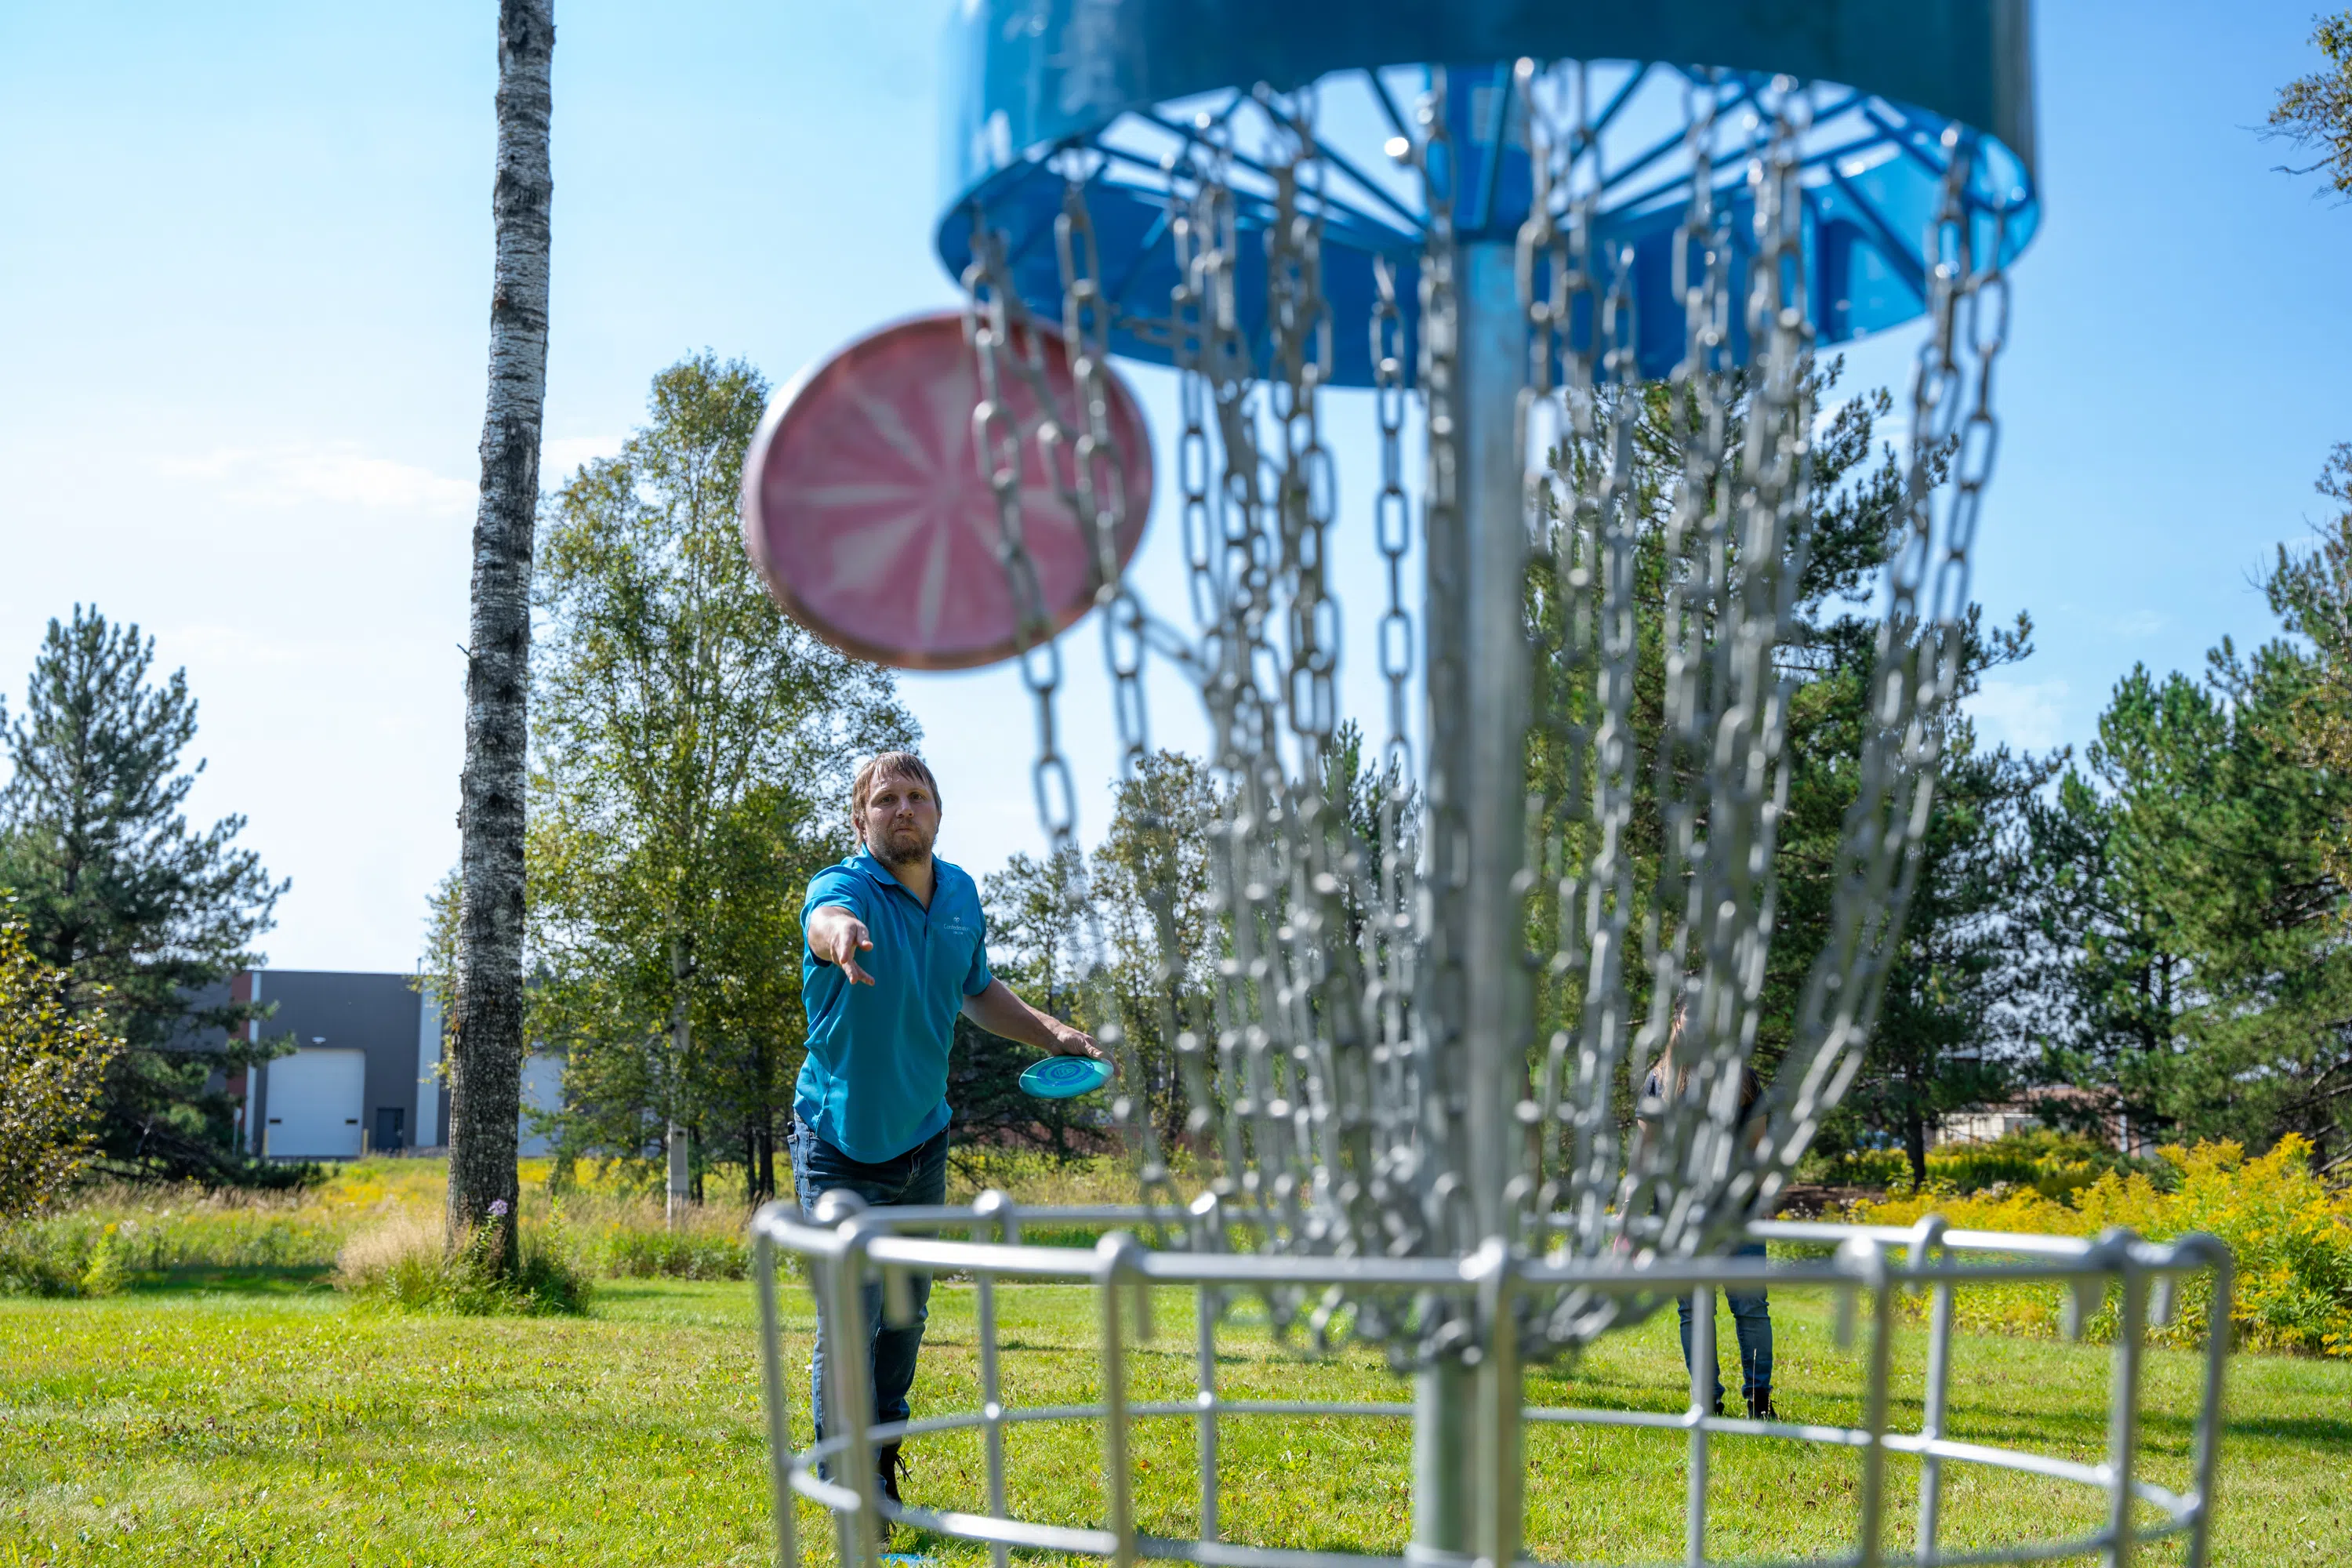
(866, 510)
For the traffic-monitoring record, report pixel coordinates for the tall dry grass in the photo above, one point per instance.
(606, 1220)
(404, 1261)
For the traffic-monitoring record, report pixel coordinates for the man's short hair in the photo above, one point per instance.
(885, 765)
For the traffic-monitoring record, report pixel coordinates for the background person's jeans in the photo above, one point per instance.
(917, 1177)
(1751, 1321)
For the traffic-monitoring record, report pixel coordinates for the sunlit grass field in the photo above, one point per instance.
(180, 1422)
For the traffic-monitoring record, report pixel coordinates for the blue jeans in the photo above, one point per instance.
(1751, 1318)
(917, 1176)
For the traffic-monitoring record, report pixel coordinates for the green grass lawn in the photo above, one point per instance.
(261, 1419)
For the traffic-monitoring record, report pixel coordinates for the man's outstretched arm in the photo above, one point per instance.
(1000, 1012)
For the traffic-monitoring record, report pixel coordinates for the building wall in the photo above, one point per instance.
(376, 1014)
(398, 1026)
(543, 1090)
(432, 1115)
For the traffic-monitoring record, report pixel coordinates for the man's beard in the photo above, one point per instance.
(907, 845)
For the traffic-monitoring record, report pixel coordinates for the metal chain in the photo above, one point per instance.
(1327, 1068)
(989, 307)
(1005, 344)
(1440, 1143)
(1730, 700)
(1553, 273)
(1388, 937)
(1917, 668)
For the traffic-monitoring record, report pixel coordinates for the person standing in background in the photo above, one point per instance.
(1751, 1312)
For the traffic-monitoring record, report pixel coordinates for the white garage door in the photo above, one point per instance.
(313, 1104)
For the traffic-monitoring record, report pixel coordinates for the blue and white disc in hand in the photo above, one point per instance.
(1064, 1077)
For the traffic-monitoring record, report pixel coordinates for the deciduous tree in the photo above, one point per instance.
(692, 747)
(1036, 944)
(1154, 867)
(53, 1060)
(2314, 111)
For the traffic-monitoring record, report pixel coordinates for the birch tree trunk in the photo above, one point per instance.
(681, 1041)
(486, 1042)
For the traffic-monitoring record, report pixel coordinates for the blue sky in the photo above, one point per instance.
(244, 280)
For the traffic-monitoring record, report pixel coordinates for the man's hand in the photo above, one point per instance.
(837, 937)
(1069, 1041)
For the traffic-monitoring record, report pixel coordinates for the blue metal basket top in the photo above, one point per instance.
(1132, 94)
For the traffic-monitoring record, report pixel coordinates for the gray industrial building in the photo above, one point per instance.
(364, 1076)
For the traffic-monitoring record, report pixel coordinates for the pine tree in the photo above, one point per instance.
(1931, 1050)
(140, 912)
(2109, 976)
(1942, 1038)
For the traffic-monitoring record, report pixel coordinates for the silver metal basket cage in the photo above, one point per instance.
(849, 1248)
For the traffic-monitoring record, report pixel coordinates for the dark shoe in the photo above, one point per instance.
(1760, 1405)
(887, 1460)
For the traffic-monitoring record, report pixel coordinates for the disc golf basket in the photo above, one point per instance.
(1524, 229)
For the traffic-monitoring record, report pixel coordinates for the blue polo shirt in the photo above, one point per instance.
(876, 1081)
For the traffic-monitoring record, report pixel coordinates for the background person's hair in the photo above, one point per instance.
(1672, 1077)
(877, 767)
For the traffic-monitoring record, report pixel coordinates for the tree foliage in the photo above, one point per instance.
(689, 740)
(1154, 867)
(143, 915)
(1037, 915)
(53, 1060)
(2191, 883)
(1953, 968)
(2314, 111)
(2110, 978)
(1045, 918)
(1941, 1041)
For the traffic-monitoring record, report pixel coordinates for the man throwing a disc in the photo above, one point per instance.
(896, 947)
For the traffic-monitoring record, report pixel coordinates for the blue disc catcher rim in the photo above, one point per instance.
(1052, 1078)
(1031, 79)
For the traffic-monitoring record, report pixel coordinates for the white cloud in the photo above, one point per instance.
(338, 473)
(2136, 623)
(561, 456)
(2030, 715)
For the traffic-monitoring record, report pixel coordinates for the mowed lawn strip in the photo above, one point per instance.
(189, 1426)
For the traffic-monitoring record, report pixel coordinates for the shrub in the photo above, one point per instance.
(104, 1275)
(2051, 1163)
(402, 1262)
(2291, 1234)
(53, 1064)
(30, 1266)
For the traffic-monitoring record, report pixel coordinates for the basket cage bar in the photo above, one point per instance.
(1480, 1504)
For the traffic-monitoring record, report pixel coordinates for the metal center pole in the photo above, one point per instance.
(1480, 678)
(1499, 674)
